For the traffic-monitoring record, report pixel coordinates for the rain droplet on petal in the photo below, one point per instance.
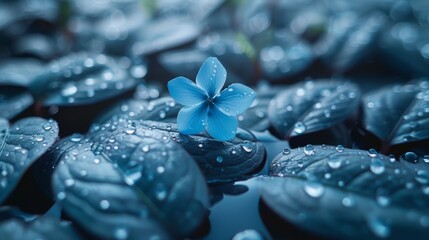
(411, 157)
(219, 159)
(248, 234)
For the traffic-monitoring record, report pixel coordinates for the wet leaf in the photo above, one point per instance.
(80, 79)
(13, 101)
(165, 34)
(20, 145)
(219, 161)
(347, 193)
(313, 106)
(157, 179)
(398, 114)
(16, 72)
(18, 226)
(162, 109)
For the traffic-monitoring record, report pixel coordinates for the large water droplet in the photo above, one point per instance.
(411, 157)
(309, 149)
(286, 151)
(426, 158)
(314, 189)
(339, 148)
(334, 162)
(104, 204)
(377, 166)
(299, 128)
(372, 152)
(47, 126)
(247, 146)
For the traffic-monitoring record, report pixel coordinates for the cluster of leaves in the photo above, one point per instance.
(336, 140)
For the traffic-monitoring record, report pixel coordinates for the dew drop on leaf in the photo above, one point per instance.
(377, 166)
(247, 146)
(309, 150)
(299, 128)
(411, 157)
(314, 189)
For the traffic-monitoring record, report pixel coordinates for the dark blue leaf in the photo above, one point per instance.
(346, 193)
(80, 79)
(20, 145)
(165, 34)
(219, 161)
(398, 114)
(162, 188)
(19, 226)
(13, 101)
(18, 72)
(162, 109)
(313, 106)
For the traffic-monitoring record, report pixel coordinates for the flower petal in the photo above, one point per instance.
(211, 76)
(220, 125)
(235, 99)
(191, 120)
(185, 92)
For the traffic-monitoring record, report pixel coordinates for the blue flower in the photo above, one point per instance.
(206, 107)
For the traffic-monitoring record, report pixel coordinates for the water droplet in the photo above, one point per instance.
(131, 129)
(47, 126)
(426, 158)
(378, 227)
(334, 162)
(145, 148)
(411, 157)
(121, 233)
(219, 159)
(61, 196)
(248, 234)
(299, 128)
(69, 90)
(377, 166)
(162, 114)
(104, 204)
(383, 200)
(97, 161)
(372, 152)
(309, 150)
(314, 189)
(69, 182)
(247, 146)
(392, 158)
(39, 138)
(160, 169)
(160, 192)
(286, 151)
(348, 202)
(200, 145)
(339, 148)
(76, 138)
